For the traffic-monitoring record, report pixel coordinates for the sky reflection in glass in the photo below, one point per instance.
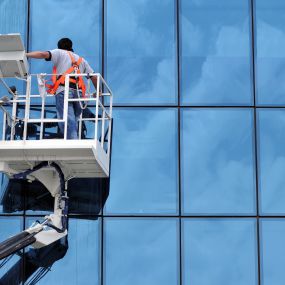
(217, 165)
(272, 251)
(80, 21)
(270, 51)
(141, 51)
(219, 252)
(13, 17)
(141, 251)
(272, 161)
(144, 162)
(80, 265)
(215, 52)
(217, 161)
(11, 199)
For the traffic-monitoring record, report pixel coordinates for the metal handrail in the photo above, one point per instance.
(25, 100)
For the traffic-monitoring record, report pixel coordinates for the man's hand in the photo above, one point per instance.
(94, 81)
(95, 94)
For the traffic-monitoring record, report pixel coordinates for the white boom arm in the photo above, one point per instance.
(54, 226)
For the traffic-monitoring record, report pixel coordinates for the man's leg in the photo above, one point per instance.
(77, 107)
(71, 119)
(59, 103)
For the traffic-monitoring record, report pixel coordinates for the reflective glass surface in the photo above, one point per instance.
(80, 21)
(80, 264)
(219, 252)
(141, 51)
(272, 234)
(10, 273)
(134, 240)
(217, 161)
(141, 251)
(86, 196)
(13, 17)
(144, 162)
(271, 161)
(270, 51)
(11, 196)
(215, 52)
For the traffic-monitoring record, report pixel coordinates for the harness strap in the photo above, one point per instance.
(51, 88)
(80, 81)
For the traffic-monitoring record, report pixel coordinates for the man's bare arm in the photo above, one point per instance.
(38, 54)
(94, 81)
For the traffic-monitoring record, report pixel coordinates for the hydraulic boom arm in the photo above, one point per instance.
(54, 226)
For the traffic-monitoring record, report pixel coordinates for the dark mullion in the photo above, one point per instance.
(257, 194)
(269, 107)
(185, 107)
(177, 8)
(11, 215)
(23, 271)
(103, 40)
(178, 106)
(102, 251)
(252, 24)
(252, 14)
(102, 268)
(208, 216)
(178, 49)
(28, 25)
(28, 49)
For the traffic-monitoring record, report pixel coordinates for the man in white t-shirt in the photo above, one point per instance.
(63, 58)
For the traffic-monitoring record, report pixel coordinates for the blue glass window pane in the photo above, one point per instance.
(219, 252)
(141, 251)
(80, 265)
(272, 251)
(13, 17)
(270, 51)
(217, 161)
(215, 52)
(80, 21)
(144, 162)
(272, 161)
(141, 51)
(11, 198)
(86, 196)
(10, 273)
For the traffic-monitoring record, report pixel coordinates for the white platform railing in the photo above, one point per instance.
(101, 114)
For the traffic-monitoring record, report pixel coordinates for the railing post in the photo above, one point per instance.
(80, 125)
(110, 125)
(4, 126)
(65, 108)
(103, 128)
(14, 115)
(27, 106)
(42, 116)
(97, 107)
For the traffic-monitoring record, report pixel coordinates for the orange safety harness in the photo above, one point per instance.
(51, 88)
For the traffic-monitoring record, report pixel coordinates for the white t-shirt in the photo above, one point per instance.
(62, 61)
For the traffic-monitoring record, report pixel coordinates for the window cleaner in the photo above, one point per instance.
(35, 157)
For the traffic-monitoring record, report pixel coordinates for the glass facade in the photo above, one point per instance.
(196, 189)
(215, 52)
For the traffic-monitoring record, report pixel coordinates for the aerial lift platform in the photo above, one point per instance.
(29, 151)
